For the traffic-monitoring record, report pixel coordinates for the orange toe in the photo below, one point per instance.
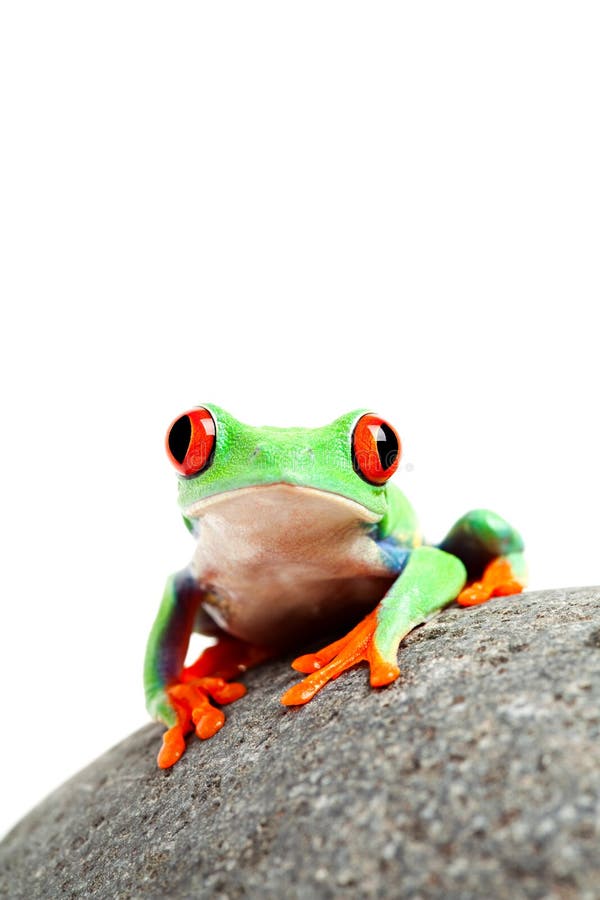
(383, 674)
(173, 747)
(308, 663)
(474, 594)
(208, 720)
(299, 694)
(228, 692)
(508, 588)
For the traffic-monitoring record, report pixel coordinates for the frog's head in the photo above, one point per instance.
(348, 461)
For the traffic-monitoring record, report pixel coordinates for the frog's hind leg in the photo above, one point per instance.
(226, 659)
(492, 552)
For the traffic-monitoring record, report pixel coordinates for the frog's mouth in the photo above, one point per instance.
(282, 505)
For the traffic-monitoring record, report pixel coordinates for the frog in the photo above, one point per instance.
(300, 533)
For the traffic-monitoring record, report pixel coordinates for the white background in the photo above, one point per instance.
(290, 210)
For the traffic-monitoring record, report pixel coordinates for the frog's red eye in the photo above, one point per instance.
(191, 441)
(376, 449)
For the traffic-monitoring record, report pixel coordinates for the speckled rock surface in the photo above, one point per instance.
(476, 775)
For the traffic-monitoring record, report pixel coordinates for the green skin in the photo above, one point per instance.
(426, 578)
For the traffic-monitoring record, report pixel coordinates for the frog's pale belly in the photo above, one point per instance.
(280, 563)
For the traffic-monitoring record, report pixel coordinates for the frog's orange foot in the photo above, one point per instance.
(191, 700)
(498, 580)
(329, 662)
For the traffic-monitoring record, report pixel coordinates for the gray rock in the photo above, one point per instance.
(476, 775)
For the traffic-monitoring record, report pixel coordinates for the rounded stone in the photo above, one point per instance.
(476, 774)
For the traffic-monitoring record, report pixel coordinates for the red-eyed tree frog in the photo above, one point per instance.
(300, 532)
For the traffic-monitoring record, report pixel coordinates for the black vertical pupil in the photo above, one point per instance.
(387, 446)
(179, 438)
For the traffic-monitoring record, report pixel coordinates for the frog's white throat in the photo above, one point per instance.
(281, 560)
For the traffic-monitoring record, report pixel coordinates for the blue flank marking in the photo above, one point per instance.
(395, 556)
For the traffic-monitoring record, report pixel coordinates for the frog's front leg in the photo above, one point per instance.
(430, 580)
(181, 697)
